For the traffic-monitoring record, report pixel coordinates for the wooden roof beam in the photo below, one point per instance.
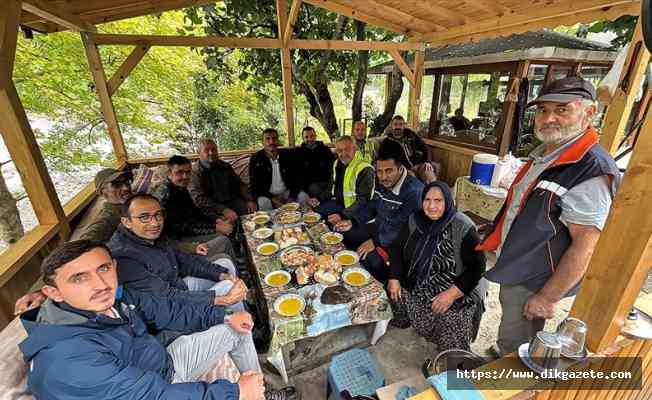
(125, 69)
(58, 15)
(9, 34)
(358, 15)
(491, 7)
(549, 15)
(606, 13)
(397, 16)
(403, 66)
(292, 20)
(228, 42)
(445, 16)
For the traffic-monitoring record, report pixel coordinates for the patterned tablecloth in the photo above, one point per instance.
(483, 201)
(367, 304)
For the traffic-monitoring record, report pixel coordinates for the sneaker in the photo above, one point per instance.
(287, 393)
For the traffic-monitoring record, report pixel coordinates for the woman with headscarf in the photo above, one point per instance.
(435, 270)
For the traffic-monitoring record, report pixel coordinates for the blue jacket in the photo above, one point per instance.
(390, 210)
(81, 355)
(159, 268)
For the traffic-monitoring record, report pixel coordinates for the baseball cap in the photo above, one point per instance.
(109, 175)
(565, 90)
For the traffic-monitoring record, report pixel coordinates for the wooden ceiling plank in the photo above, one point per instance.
(57, 15)
(394, 15)
(441, 15)
(535, 14)
(403, 66)
(609, 13)
(127, 66)
(491, 7)
(292, 20)
(358, 15)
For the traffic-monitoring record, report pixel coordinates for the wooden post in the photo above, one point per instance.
(623, 255)
(101, 85)
(506, 125)
(388, 87)
(415, 93)
(623, 99)
(286, 68)
(433, 126)
(125, 69)
(18, 135)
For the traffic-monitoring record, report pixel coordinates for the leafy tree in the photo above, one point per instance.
(312, 70)
(623, 27)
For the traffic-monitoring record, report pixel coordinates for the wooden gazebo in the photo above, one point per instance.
(619, 264)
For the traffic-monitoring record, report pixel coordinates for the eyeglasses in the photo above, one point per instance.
(159, 216)
(119, 183)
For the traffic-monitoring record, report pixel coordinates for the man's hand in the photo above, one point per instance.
(230, 215)
(241, 322)
(443, 301)
(29, 301)
(237, 293)
(366, 248)
(252, 206)
(344, 225)
(227, 277)
(394, 289)
(201, 249)
(313, 202)
(334, 218)
(252, 386)
(223, 227)
(538, 307)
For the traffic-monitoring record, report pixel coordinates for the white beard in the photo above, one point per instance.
(557, 135)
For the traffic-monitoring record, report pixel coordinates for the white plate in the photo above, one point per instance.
(316, 218)
(278, 301)
(280, 272)
(261, 219)
(294, 206)
(260, 246)
(263, 233)
(524, 355)
(337, 238)
(356, 257)
(362, 271)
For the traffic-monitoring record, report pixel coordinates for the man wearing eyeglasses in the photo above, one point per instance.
(555, 209)
(147, 262)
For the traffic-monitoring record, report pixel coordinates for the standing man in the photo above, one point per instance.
(366, 147)
(374, 227)
(353, 185)
(546, 232)
(273, 177)
(415, 149)
(185, 221)
(216, 188)
(316, 165)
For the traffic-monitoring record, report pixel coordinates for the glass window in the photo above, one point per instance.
(470, 107)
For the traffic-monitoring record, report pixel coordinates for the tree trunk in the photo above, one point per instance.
(379, 124)
(11, 227)
(363, 65)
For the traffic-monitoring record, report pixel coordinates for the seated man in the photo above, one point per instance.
(148, 263)
(273, 177)
(367, 148)
(115, 187)
(416, 152)
(396, 196)
(184, 221)
(316, 160)
(459, 121)
(354, 182)
(216, 188)
(91, 339)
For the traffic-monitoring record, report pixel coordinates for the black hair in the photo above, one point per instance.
(269, 130)
(177, 160)
(400, 117)
(64, 254)
(127, 204)
(307, 128)
(390, 149)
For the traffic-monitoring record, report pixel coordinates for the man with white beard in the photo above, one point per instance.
(546, 232)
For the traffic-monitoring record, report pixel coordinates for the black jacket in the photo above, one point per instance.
(260, 173)
(182, 217)
(213, 188)
(414, 147)
(318, 161)
(159, 269)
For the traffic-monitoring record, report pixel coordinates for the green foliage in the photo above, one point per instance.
(623, 27)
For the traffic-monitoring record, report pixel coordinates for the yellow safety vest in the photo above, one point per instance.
(367, 153)
(350, 178)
